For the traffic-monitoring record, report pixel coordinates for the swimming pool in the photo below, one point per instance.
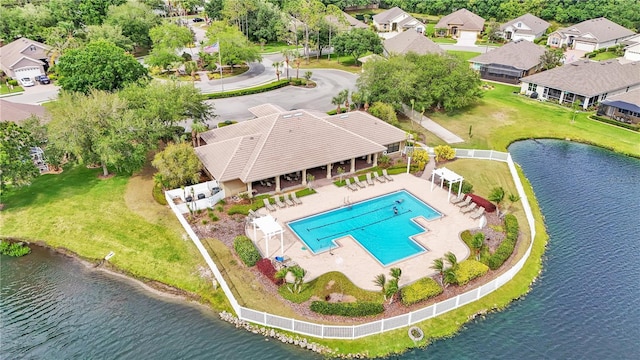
(383, 226)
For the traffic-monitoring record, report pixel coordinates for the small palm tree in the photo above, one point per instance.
(392, 289)
(288, 55)
(344, 95)
(298, 274)
(396, 273)
(438, 265)
(452, 260)
(448, 277)
(477, 243)
(307, 76)
(513, 198)
(297, 61)
(336, 100)
(381, 281)
(276, 65)
(191, 67)
(497, 196)
(196, 129)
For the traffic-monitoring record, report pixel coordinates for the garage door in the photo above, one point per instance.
(27, 72)
(584, 46)
(467, 38)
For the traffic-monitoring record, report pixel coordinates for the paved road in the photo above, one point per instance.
(477, 48)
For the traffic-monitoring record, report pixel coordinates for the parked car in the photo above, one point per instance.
(43, 79)
(197, 19)
(25, 82)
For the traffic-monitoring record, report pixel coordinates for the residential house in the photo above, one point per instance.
(24, 58)
(279, 149)
(462, 25)
(346, 22)
(17, 112)
(624, 107)
(586, 82)
(396, 20)
(410, 41)
(590, 35)
(632, 48)
(526, 27)
(510, 62)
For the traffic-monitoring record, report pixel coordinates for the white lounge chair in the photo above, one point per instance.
(458, 199)
(359, 183)
(478, 213)
(351, 186)
(288, 201)
(386, 176)
(378, 177)
(464, 203)
(469, 208)
(268, 205)
(295, 199)
(369, 181)
(278, 202)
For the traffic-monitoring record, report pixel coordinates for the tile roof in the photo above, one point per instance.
(351, 21)
(629, 97)
(520, 54)
(291, 141)
(18, 112)
(536, 24)
(266, 109)
(386, 16)
(463, 19)
(413, 41)
(602, 30)
(14, 51)
(588, 78)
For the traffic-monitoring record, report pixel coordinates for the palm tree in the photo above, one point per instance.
(344, 94)
(381, 281)
(276, 65)
(497, 196)
(288, 55)
(196, 129)
(513, 198)
(438, 265)
(452, 260)
(298, 274)
(336, 100)
(297, 61)
(448, 277)
(307, 76)
(476, 243)
(191, 67)
(392, 289)
(396, 273)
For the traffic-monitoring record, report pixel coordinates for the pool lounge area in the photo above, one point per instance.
(350, 257)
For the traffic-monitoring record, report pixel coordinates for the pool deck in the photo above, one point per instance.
(350, 258)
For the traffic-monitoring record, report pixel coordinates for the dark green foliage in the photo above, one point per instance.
(16, 166)
(616, 123)
(467, 187)
(484, 251)
(469, 270)
(244, 209)
(246, 250)
(505, 249)
(13, 249)
(158, 194)
(254, 90)
(356, 309)
(422, 289)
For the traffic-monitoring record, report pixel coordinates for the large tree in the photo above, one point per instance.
(233, 45)
(177, 165)
(111, 33)
(309, 13)
(16, 166)
(100, 65)
(551, 58)
(357, 42)
(135, 19)
(170, 36)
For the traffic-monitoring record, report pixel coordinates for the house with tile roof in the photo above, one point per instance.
(590, 35)
(18, 113)
(526, 27)
(510, 62)
(632, 48)
(24, 58)
(586, 82)
(346, 22)
(279, 149)
(397, 20)
(410, 41)
(462, 25)
(624, 107)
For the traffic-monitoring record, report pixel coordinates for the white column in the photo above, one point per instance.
(353, 165)
(250, 189)
(369, 159)
(561, 97)
(449, 195)
(281, 244)
(433, 178)
(304, 176)
(460, 188)
(278, 183)
(375, 159)
(266, 243)
(328, 171)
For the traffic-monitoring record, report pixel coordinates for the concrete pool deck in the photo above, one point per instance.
(353, 260)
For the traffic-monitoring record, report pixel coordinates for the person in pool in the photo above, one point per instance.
(395, 210)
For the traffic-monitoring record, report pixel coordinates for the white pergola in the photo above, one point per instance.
(450, 176)
(269, 227)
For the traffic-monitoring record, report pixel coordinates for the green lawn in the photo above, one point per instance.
(4, 89)
(503, 117)
(443, 40)
(346, 63)
(76, 210)
(275, 47)
(605, 56)
(464, 55)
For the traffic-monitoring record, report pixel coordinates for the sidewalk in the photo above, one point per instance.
(435, 128)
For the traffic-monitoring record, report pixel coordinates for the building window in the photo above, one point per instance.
(533, 87)
(391, 148)
(554, 41)
(604, 96)
(519, 25)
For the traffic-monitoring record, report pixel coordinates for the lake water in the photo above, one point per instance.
(585, 305)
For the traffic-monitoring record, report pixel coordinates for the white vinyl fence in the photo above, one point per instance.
(375, 327)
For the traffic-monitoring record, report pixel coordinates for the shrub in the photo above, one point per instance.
(243, 209)
(254, 90)
(467, 187)
(420, 290)
(13, 82)
(384, 111)
(486, 204)
(616, 123)
(246, 250)
(444, 152)
(226, 123)
(469, 270)
(356, 309)
(505, 249)
(266, 268)
(158, 194)
(13, 249)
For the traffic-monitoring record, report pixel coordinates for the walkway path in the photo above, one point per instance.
(435, 128)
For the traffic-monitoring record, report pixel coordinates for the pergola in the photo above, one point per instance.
(269, 227)
(450, 176)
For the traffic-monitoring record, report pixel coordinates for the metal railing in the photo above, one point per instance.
(379, 326)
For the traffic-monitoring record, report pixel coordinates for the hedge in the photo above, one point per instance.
(254, 90)
(468, 270)
(355, 309)
(505, 249)
(420, 290)
(266, 268)
(486, 204)
(246, 250)
(615, 122)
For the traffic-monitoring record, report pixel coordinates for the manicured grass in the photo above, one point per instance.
(331, 282)
(464, 55)
(346, 63)
(4, 89)
(173, 76)
(275, 47)
(605, 56)
(228, 72)
(443, 40)
(91, 217)
(503, 117)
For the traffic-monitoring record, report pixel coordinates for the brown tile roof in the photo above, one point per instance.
(520, 54)
(386, 16)
(16, 112)
(629, 97)
(14, 51)
(602, 30)
(536, 24)
(351, 21)
(266, 109)
(413, 41)
(463, 19)
(588, 78)
(291, 141)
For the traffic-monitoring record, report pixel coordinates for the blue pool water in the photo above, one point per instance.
(383, 226)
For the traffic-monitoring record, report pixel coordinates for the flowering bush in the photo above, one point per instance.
(266, 268)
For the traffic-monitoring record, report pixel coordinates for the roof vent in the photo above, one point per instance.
(297, 114)
(287, 116)
(344, 116)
